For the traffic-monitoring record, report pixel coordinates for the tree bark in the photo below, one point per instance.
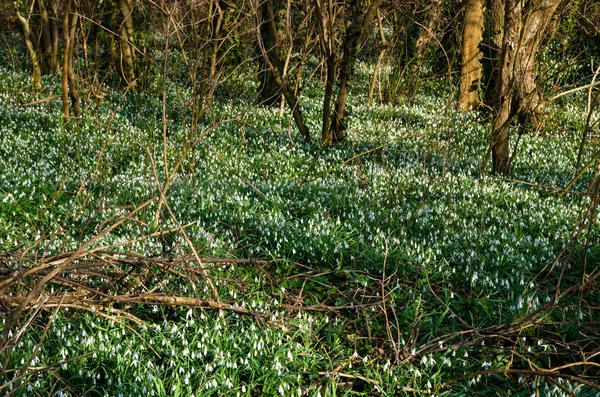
(65, 73)
(471, 69)
(216, 15)
(37, 70)
(326, 15)
(55, 35)
(46, 39)
(281, 84)
(500, 129)
(68, 74)
(269, 89)
(73, 91)
(495, 28)
(127, 48)
(356, 35)
(428, 29)
(496, 23)
(517, 91)
(538, 16)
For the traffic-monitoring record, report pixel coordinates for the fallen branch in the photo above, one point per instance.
(105, 304)
(527, 372)
(40, 101)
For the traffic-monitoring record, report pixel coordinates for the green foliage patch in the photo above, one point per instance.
(402, 211)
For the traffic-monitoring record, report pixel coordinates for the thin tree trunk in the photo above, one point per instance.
(66, 62)
(355, 36)
(427, 32)
(37, 70)
(290, 44)
(55, 34)
(73, 91)
(88, 70)
(375, 77)
(471, 69)
(46, 38)
(127, 12)
(282, 85)
(325, 14)
(384, 46)
(197, 69)
(216, 22)
(304, 55)
(126, 36)
(330, 63)
(503, 116)
(286, 69)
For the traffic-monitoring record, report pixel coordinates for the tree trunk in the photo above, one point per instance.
(328, 49)
(73, 91)
(538, 16)
(127, 48)
(46, 38)
(110, 58)
(427, 32)
(216, 15)
(356, 35)
(55, 34)
(330, 64)
(496, 24)
(269, 89)
(517, 92)
(68, 74)
(495, 28)
(471, 70)
(281, 84)
(65, 74)
(503, 115)
(380, 57)
(37, 70)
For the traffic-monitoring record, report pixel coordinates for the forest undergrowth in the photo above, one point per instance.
(140, 256)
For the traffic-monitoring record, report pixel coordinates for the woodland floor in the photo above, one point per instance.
(236, 259)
